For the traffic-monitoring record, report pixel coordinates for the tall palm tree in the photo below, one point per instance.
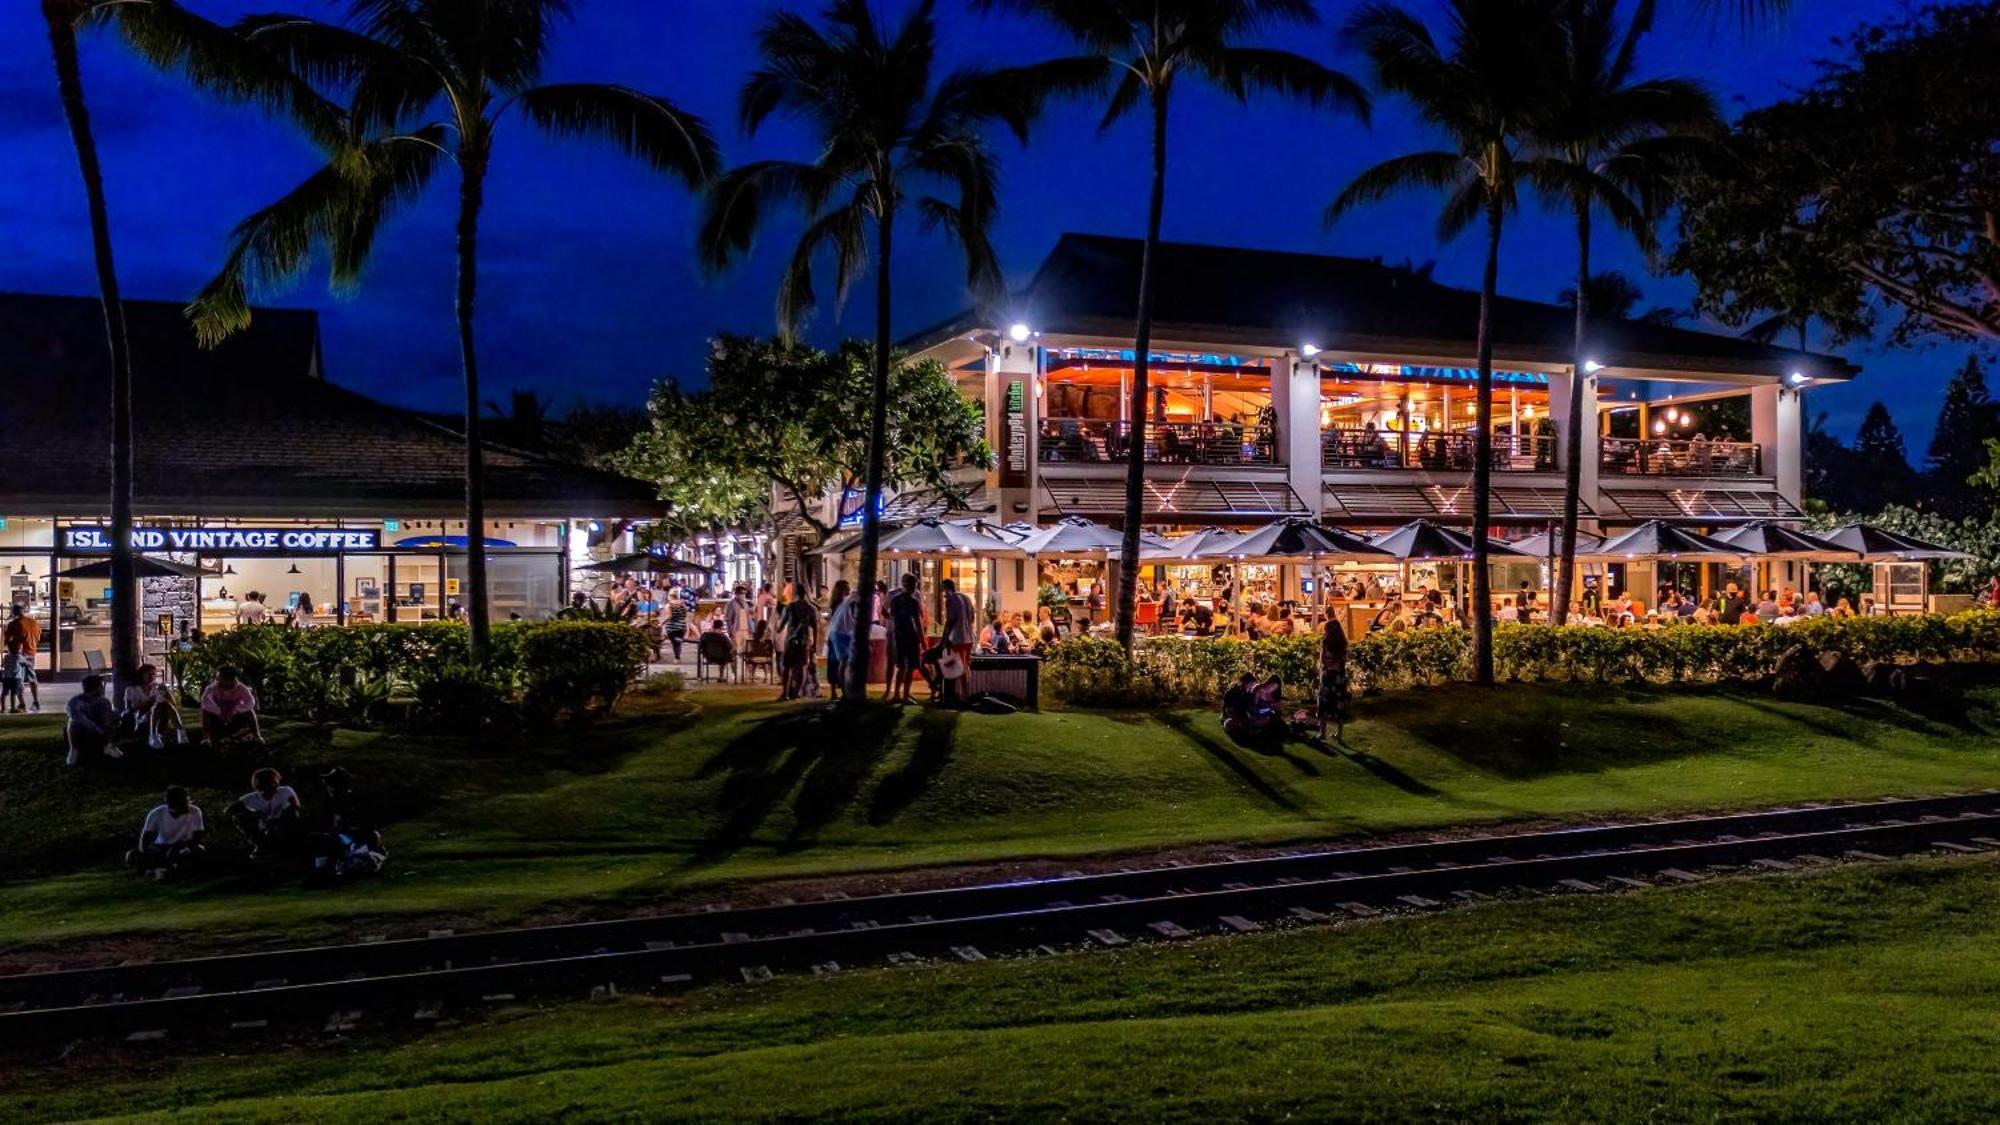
(427, 79)
(1147, 46)
(883, 129)
(1483, 89)
(1608, 142)
(171, 37)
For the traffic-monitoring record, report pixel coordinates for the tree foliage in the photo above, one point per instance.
(1966, 422)
(1878, 186)
(786, 418)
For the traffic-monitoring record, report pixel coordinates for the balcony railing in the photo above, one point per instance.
(1346, 448)
(1088, 441)
(1657, 457)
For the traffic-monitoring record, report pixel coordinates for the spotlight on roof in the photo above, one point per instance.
(1308, 350)
(1020, 333)
(1796, 378)
(1592, 367)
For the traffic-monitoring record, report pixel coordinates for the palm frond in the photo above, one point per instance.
(737, 202)
(1093, 24)
(219, 62)
(844, 231)
(646, 126)
(1466, 205)
(1243, 71)
(1434, 171)
(1124, 98)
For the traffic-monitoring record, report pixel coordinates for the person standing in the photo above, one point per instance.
(252, 611)
(798, 620)
(906, 639)
(1992, 594)
(1335, 694)
(839, 638)
(674, 626)
(739, 620)
(24, 630)
(960, 631)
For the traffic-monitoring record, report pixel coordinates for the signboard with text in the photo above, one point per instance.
(1014, 436)
(227, 540)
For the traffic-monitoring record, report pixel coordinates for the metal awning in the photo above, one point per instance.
(930, 504)
(1205, 501)
(1724, 504)
(1369, 502)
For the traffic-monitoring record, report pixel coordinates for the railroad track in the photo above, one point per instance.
(341, 987)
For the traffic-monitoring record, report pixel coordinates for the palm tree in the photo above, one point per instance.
(1483, 90)
(425, 79)
(171, 37)
(1607, 142)
(883, 129)
(1147, 45)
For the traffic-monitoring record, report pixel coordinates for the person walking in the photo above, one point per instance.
(24, 631)
(960, 631)
(1331, 703)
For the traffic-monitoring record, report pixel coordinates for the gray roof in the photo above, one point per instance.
(1229, 296)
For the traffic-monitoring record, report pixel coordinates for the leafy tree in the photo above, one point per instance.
(1883, 475)
(1606, 141)
(425, 79)
(1829, 468)
(780, 416)
(1480, 89)
(170, 37)
(1965, 423)
(1148, 46)
(882, 128)
(595, 434)
(1876, 186)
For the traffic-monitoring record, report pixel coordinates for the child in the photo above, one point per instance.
(13, 678)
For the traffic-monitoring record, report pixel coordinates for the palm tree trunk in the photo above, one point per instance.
(472, 156)
(1573, 425)
(878, 440)
(62, 19)
(1142, 346)
(1482, 463)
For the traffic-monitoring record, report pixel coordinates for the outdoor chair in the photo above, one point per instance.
(761, 654)
(714, 650)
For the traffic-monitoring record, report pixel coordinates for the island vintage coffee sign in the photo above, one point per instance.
(228, 540)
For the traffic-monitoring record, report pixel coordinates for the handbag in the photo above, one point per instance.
(951, 665)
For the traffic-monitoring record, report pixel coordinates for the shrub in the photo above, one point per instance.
(1095, 671)
(546, 671)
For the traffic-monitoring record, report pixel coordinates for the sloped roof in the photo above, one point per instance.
(1089, 284)
(248, 428)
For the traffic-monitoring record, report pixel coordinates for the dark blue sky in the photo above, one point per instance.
(588, 288)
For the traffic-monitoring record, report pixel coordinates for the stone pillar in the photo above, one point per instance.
(1561, 386)
(1295, 399)
(1777, 416)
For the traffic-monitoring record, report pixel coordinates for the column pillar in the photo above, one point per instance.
(1777, 416)
(1561, 387)
(1295, 399)
(1013, 414)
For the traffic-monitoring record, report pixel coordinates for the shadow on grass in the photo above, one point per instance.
(937, 739)
(1524, 736)
(1381, 769)
(817, 756)
(1226, 757)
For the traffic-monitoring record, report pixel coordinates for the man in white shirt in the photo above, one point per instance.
(959, 633)
(252, 611)
(268, 815)
(170, 839)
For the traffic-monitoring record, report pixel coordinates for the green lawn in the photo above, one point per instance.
(732, 787)
(1867, 994)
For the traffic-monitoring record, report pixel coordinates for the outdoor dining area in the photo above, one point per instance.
(1289, 575)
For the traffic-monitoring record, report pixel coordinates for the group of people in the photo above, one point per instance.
(332, 839)
(1253, 712)
(147, 715)
(20, 689)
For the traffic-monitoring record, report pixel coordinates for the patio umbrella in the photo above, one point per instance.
(1297, 540)
(927, 538)
(1208, 543)
(143, 566)
(1074, 537)
(1548, 544)
(1766, 539)
(1424, 541)
(1876, 544)
(1656, 539)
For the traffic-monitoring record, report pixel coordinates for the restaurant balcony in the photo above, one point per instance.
(1092, 441)
(1348, 448)
(1675, 457)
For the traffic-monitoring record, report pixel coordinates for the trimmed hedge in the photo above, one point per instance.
(1095, 671)
(541, 671)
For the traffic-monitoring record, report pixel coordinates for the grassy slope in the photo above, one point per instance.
(1864, 994)
(748, 790)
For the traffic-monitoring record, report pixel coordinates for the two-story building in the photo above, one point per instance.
(1343, 389)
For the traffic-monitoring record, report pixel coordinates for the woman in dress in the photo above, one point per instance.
(1334, 694)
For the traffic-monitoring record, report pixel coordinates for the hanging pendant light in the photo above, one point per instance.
(228, 569)
(294, 569)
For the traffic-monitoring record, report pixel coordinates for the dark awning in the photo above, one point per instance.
(1726, 504)
(1369, 502)
(1205, 501)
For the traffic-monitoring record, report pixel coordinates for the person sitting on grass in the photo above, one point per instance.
(1250, 709)
(346, 845)
(92, 723)
(229, 710)
(170, 839)
(269, 815)
(149, 707)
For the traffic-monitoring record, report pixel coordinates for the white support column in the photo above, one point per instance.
(1295, 399)
(1561, 386)
(1777, 426)
(1013, 432)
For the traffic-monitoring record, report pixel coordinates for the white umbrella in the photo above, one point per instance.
(1205, 545)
